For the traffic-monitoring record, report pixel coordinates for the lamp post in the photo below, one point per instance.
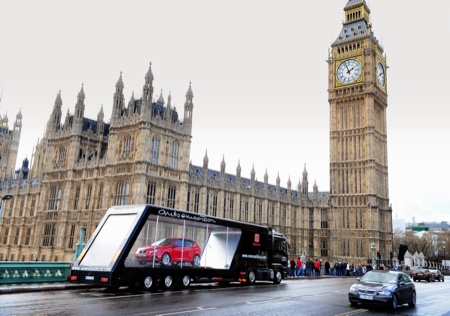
(4, 197)
(373, 248)
(444, 258)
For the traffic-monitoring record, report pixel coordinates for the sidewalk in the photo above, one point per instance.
(38, 287)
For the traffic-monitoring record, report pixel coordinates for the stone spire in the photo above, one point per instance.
(147, 90)
(119, 99)
(79, 109)
(222, 165)
(100, 121)
(188, 107)
(55, 118)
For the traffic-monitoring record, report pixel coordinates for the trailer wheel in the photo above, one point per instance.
(148, 283)
(185, 282)
(278, 277)
(251, 276)
(165, 259)
(168, 282)
(196, 261)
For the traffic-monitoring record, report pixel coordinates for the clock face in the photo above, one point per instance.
(380, 74)
(348, 71)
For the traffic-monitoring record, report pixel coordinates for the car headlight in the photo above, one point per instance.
(384, 292)
(152, 251)
(353, 289)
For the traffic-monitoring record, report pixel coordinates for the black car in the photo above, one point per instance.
(438, 276)
(423, 274)
(414, 270)
(391, 288)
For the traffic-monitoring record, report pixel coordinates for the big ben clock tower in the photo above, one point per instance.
(357, 92)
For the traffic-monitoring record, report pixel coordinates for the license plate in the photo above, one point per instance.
(142, 255)
(366, 297)
(420, 274)
(89, 277)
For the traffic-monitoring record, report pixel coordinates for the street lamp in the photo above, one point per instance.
(444, 258)
(4, 197)
(373, 248)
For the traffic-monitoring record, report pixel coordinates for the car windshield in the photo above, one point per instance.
(379, 277)
(163, 242)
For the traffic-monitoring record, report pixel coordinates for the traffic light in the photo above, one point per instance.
(378, 254)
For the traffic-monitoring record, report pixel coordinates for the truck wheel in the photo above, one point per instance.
(278, 277)
(196, 261)
(165, 259)
(148, 283)
(168, 282)
(185, 282)
(251, 276)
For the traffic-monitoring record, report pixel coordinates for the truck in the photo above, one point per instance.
(153, 247)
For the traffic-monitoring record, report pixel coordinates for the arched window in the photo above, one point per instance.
(122, 192)
(127, 146)
(154, 154)
(173, 161)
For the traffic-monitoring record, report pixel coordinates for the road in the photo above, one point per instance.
(317, 296)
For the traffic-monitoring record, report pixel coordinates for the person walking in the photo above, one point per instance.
(292, 268)
(327, 268)
(316, 267)
(299, 267)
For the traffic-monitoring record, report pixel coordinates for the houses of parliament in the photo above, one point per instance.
(81, 166)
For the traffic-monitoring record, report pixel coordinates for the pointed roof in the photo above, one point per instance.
(356, 25)
(58, 100)
(160, 100)
(100, 114)
(189, 92)
(81, 94)
(149, 74)
(223, 164)
(205, 159)
(354, 3)
(119, 83)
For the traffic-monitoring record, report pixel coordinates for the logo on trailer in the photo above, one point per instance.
(256, 241)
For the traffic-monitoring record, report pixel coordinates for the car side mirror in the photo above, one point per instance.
(401, 283)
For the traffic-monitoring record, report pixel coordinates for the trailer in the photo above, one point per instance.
(154, 247)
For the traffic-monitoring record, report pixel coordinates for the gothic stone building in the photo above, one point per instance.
(82, 166)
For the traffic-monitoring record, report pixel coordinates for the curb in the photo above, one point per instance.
(36, 287)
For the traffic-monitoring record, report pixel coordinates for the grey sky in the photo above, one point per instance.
(258, 74)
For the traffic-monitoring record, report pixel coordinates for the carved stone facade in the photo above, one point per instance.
(83, 166)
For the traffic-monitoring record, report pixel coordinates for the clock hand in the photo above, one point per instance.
(346, 66)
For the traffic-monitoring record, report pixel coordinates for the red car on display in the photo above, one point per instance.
(170, 250)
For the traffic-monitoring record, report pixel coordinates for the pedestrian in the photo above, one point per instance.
(317, 267)
(292, 268)
(327, 268)
(299, 267)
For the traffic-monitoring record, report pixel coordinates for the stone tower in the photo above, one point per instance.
(9, 145)
(357, 94)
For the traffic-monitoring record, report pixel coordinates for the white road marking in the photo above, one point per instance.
(199, 309)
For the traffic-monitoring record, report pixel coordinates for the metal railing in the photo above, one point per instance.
(33, 271)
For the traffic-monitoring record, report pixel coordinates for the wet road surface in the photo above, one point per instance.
(317, 296)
